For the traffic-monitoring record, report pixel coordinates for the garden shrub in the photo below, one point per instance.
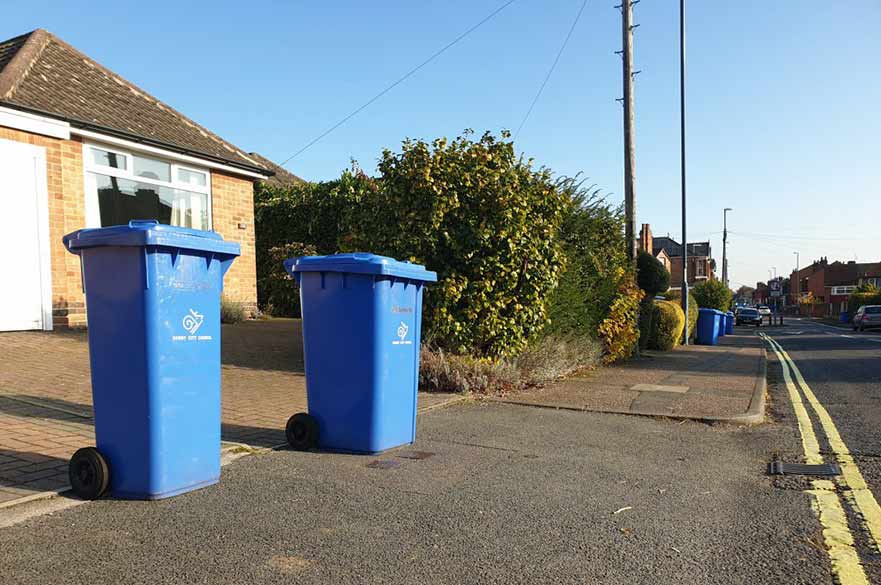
(667, 326)
(858, 299)
(487, 222)
(693, 309)
(652, 278)
(231, 311)
(618, 331)
(713, 294)
(279, 294)
(593, 242)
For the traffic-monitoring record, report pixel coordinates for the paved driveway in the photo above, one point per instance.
(46, 397)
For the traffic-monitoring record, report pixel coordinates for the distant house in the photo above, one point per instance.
(701, 265)
(832, 284)
(82, 147)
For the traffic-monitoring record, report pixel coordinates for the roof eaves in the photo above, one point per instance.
(84, 125)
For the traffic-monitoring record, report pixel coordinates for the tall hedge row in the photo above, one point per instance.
(499, 232)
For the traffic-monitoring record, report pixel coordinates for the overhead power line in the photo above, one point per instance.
(551, 70)
(400, 80)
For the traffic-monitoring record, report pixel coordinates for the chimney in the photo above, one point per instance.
(645, 239)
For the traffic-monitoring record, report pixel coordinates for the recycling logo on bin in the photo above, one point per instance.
(191, 323)
(402, 331)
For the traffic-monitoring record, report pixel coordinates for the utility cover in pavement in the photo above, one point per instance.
(659, 388)
(825, 469)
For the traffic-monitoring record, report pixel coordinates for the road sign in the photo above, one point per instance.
(776, 288)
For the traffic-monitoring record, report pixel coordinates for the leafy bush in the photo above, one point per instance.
(858, 299)
(548, 359)
(279, 294)
(487, 222)
(231, 311)
(713, 294)
(618, 331)
(668, 326)
(593, 243)
(693, 309)
(440, 371)
(651, 275)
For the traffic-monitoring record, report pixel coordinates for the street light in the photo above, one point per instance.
(725, 245)
(797, 283)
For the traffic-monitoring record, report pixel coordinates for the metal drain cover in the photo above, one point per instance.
(823, 469)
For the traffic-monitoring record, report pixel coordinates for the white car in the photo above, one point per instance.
(764, 310)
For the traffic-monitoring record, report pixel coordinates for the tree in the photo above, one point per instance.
(652, 277)
(713, 294)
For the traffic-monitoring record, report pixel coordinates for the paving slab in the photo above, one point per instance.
(718, 383)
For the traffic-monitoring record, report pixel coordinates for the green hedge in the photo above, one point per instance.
(693, 309)
(713, 294)
(668, 325)
(858, 299)
(278, 293)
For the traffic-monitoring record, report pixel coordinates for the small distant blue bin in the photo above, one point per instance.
(362, 318)
(844, 317)
(153, 297)
(708, 322)
(723, 324)
(729, 323)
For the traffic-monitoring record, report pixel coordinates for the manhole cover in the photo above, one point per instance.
(824, 469)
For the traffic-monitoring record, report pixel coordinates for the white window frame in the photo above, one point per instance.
(93, 212)
(843, 290)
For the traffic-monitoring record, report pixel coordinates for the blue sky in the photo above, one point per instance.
(783, 123)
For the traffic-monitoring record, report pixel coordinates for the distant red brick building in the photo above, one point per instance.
(668, 251)
(832, 284)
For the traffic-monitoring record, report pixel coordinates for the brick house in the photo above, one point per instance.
(82, 147)
(667, 250)
(832, 284)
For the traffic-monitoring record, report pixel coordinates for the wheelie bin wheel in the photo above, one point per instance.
(89, 473)
(302, 432)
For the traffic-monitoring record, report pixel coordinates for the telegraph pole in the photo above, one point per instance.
(725, 246)
(629, 158)
(684, 289)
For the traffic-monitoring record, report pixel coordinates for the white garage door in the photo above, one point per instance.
(25, 286)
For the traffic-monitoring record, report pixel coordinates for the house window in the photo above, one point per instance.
(843, 290)
(122, 186)
(700, 269)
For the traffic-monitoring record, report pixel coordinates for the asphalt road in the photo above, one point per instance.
(511, 494)
(843, 369)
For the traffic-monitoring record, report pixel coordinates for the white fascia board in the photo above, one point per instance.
(33, 123)
(137, 147)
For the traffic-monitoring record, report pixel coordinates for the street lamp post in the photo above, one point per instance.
(684, 274)
(725, 245)
(797, 284)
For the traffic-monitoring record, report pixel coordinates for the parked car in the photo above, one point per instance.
(748, 316)
(867, 316)
(764, 310)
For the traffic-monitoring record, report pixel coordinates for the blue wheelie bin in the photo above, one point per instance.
(729, 323)
(708, 327)
(723, 323)
(362, 317)
(153, 297)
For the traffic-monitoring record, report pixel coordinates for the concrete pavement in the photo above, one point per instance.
(509, 495)
(723, 383)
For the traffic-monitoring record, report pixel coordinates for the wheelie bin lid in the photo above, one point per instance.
(360, 263)
(706, 310)
(142, 232)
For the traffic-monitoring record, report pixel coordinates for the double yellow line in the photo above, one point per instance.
(851, 484)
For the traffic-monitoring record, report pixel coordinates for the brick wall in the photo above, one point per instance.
(233, 204)
(233, 214)
(64, 179)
